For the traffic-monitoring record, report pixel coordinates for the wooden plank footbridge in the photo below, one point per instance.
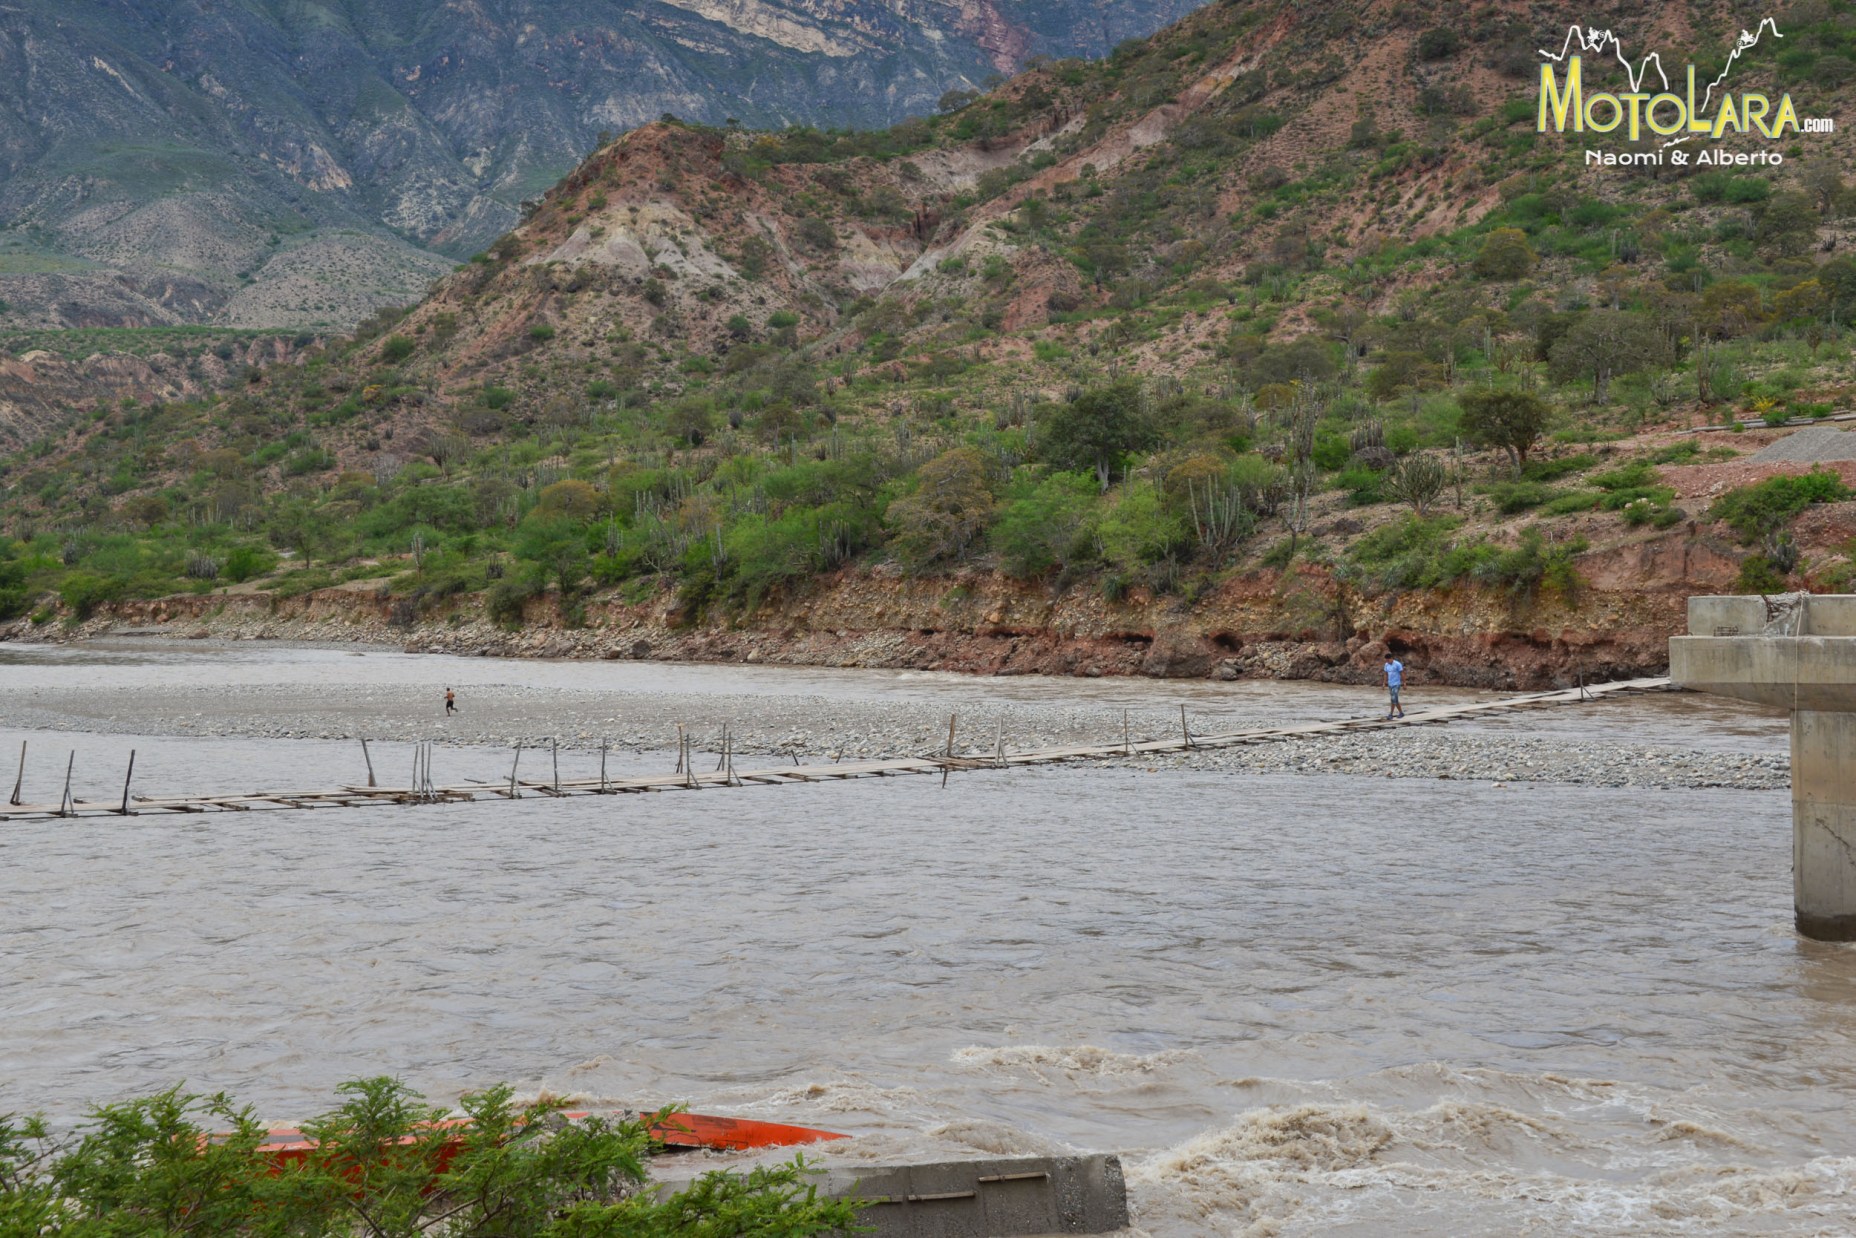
(422, 790)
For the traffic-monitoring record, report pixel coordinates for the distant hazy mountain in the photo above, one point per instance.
(298, 162)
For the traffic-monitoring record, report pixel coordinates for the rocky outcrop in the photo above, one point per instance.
(41, 393)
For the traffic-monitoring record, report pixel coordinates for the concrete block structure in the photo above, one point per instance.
(987, 1198)
(1798, 653)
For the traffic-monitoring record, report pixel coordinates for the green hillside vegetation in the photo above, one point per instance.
(1416, 349)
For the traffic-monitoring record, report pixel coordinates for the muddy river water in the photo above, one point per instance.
(1293, 1003)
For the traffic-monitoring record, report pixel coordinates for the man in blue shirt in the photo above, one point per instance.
(1395, 677)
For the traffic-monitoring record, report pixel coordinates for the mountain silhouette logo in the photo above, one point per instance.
(1675, 117)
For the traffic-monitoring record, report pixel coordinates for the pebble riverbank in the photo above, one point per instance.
(1426, 752)
(817, 727)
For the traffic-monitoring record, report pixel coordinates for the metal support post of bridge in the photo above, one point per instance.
(1798, 653)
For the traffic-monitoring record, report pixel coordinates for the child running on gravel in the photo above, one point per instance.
(451, 702)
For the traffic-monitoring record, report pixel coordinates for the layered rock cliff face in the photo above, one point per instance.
(283, 163)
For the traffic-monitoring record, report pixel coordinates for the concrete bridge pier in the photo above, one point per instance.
(1798, 653)
(1824, 823)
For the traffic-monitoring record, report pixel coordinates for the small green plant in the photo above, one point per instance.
(1758, 574)
(1513, 497)
(1279, 555)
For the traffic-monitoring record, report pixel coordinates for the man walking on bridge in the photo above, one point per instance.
(1395, 678)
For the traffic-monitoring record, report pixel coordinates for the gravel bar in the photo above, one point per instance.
(792, 726)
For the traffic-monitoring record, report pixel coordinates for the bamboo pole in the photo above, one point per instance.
(125, 783)
(1183, 726)
(67, 807)
(366, 756)
(556, 744)
(1127, 746)
(20, 781)
(603, 742)
(513, 793)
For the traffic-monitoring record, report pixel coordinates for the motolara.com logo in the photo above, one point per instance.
(1565, 104)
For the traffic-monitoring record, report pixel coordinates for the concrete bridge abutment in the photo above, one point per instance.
(1824, 823)
(1796, 653)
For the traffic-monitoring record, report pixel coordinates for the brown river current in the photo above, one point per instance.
(1295, 1004)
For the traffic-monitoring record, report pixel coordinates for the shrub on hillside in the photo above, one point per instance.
(1505, 254)
(1097, 430)
(1046, 527)
(1762, 509)
(83, 592)
(1510, 420)
(1439, 43)
(947, 511)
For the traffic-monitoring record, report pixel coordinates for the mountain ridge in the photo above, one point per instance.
(156, 166)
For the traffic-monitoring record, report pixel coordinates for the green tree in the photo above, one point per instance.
(1823, 180)
(1787, 224)
(146, 1166)
(1806, 300)
(1505, 254)
(556, 545)
(1729, 307)
(1604, 344)
(1510, 420)
(574, 500)
(947, 511)
(1138, 530)
(28, 1197)
(1045, 527)
(296, 525)
(13, 600)
(1439, 43)
(1097, 430)
(1402, 369)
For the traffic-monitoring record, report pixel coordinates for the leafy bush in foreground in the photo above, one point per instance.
(181, 1164)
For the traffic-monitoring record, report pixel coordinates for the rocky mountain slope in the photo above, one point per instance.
(279, 164)
(1290, 303)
